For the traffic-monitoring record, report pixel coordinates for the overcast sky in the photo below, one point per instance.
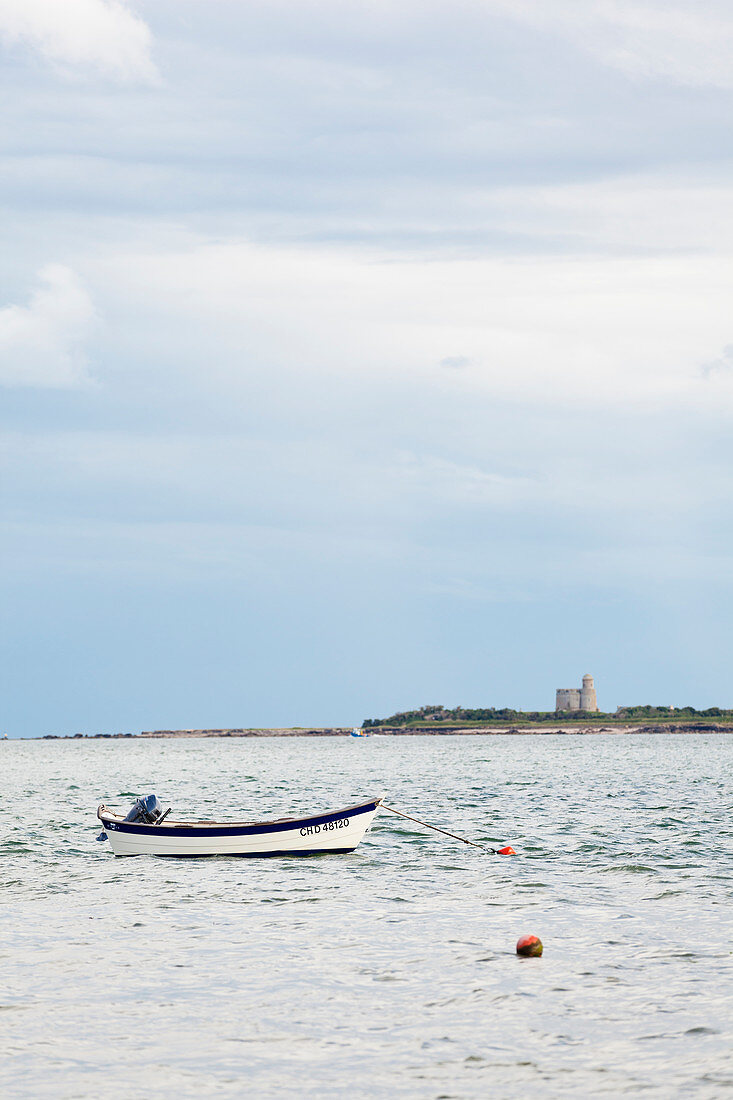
(361, 356)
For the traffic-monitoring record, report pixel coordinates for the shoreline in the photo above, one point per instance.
(545, 729)
(486, 730)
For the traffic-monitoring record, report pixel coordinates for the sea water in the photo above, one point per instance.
(390, 972)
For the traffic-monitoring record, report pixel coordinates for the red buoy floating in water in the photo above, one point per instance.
(508, 851)
(529, 946)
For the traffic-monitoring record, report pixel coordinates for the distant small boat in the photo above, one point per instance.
(356, 732)
(145, 832)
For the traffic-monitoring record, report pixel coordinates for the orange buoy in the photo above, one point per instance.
(508, 851)
(529, 946)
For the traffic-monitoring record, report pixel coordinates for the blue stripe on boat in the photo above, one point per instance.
(240, 830)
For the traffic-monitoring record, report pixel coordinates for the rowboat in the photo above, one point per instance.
(148, 831)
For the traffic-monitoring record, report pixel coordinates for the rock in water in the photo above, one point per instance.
(529, 946)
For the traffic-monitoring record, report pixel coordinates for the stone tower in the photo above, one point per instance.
(588, 699)
(577, 698)
(567, 699)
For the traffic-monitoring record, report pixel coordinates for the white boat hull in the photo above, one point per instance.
(335, 831)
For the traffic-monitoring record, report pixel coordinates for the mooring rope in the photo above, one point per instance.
(491, 851)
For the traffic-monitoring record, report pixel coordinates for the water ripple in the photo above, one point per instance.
(390, 972)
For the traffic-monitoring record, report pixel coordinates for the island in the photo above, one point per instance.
(630, 719)
(438, 720)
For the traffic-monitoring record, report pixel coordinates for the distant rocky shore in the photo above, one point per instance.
(437, 731)
(293, 731)
(671, 727)
(412, 731)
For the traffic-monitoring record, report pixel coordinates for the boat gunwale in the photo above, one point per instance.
(114, 821)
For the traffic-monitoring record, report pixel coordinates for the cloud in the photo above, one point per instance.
(98, 35)
(42, 344)
(687, 43)
(455, 362)
(548, 330)
(722, 365)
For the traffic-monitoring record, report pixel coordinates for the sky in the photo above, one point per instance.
(356, 357)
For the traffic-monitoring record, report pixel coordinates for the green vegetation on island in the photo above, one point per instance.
(430, 717)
